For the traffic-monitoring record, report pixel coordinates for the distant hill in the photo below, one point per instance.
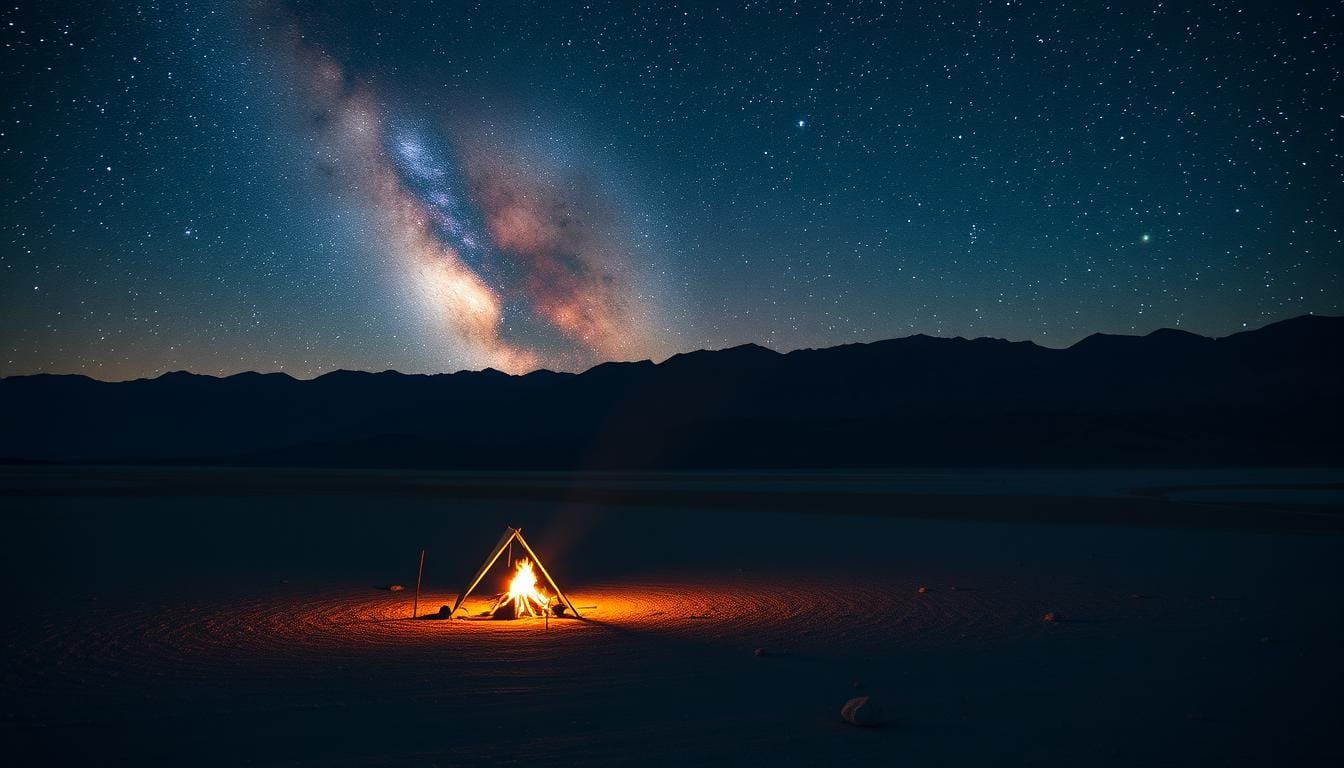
(1268, 396)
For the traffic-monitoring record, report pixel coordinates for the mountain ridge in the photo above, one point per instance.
(1162, 332)
(1265, 396)
(735, 349)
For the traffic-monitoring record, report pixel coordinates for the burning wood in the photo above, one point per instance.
(523, 597)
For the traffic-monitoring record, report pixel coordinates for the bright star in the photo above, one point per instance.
(1145, 238)
(802, 123)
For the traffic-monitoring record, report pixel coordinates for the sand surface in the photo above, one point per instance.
(225, 617)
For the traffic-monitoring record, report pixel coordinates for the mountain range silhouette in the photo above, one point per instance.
(1270, 396)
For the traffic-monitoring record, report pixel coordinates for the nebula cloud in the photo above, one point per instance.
(572, 274)
(476, 236)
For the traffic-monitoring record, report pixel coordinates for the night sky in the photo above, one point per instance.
(436, 186)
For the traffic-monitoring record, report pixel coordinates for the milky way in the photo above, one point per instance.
(480, 238)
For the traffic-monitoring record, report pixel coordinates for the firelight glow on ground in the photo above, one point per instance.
(266, 629)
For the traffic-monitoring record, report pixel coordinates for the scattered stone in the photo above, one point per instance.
(862, 711)
(396, 588)
(922, 590)
(759, 651)
(1050, 617)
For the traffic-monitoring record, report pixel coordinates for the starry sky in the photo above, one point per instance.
(306, 186)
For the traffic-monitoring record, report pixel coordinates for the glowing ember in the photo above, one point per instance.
(527, 600)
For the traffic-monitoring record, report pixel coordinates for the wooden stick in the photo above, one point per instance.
(509, 533)
(415, 607)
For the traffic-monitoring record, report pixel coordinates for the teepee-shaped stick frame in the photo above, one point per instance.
(511, 534)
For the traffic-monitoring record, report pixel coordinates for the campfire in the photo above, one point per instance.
(525, 597)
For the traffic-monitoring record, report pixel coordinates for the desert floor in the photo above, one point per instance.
(242, 617)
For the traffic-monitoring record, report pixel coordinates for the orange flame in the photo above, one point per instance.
(527, 599)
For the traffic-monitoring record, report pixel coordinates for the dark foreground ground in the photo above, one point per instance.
(226, 617)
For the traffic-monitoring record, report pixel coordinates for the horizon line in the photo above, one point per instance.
(650, 361)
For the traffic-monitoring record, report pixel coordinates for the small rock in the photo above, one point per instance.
(922, 590)
(445, 610)
(759, 651)
(396, 588)
(862, 711)
(1050, 617)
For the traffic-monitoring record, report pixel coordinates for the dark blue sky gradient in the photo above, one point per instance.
(628, 182)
